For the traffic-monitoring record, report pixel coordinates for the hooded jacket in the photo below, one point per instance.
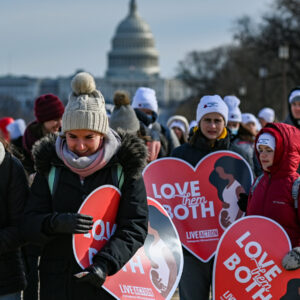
(272, 196)
(58, 264)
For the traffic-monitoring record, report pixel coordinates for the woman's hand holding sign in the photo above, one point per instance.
(94, 274)
(68, 223)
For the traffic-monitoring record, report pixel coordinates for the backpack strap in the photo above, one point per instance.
(256, 183)
(118, 175)
(53, 179)
(295, 191)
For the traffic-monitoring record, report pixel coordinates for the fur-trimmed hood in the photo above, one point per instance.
(132, 154)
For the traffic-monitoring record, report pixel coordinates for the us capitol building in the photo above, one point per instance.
(133, 61)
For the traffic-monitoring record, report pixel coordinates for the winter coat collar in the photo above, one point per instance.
(131, 155)
(200, 142)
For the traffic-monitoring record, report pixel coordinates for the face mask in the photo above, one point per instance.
(146, 119)
(234, 131)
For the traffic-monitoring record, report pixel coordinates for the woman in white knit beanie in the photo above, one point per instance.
(210, 135)
(86, 155)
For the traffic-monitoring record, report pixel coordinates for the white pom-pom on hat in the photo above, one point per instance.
(83, 83)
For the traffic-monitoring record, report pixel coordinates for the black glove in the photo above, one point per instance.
(96, 275)
(242, 202)
(68, 223)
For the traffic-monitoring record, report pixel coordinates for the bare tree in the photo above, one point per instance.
(226, 70)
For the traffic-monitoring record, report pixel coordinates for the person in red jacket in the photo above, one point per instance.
(278, 149)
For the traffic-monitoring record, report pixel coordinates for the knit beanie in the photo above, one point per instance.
(294, 96)
(48, 107)
(209, 104)
(86, 106)
(266, 139)
(234, 112)
(145, 98)
(180, 122)
(123, 115)
(247, 118)
(16, 128)
(267, 114)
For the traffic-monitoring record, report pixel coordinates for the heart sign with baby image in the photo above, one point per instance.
(248, 262)
(155, 270)
(102, 204)
(201, 200)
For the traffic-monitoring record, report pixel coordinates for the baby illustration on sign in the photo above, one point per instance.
(162, 252)
(231, 176)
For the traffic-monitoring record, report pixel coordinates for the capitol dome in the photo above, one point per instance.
(133, 51)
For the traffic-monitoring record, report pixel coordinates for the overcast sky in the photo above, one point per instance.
(57, 37)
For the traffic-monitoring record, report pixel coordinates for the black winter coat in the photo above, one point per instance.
(13, 195)
(58, 264)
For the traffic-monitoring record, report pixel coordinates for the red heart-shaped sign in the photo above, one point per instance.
(192, 197)
(102, 204)
(248, 262)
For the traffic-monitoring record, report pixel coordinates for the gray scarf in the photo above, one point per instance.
(87, 165)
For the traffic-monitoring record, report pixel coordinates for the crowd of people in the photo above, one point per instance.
(84, 142)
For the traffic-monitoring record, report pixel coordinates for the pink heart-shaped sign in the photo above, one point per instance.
(248, 262)
(192, 196)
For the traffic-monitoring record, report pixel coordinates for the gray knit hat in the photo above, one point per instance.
(123, 115)
(86, 106)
